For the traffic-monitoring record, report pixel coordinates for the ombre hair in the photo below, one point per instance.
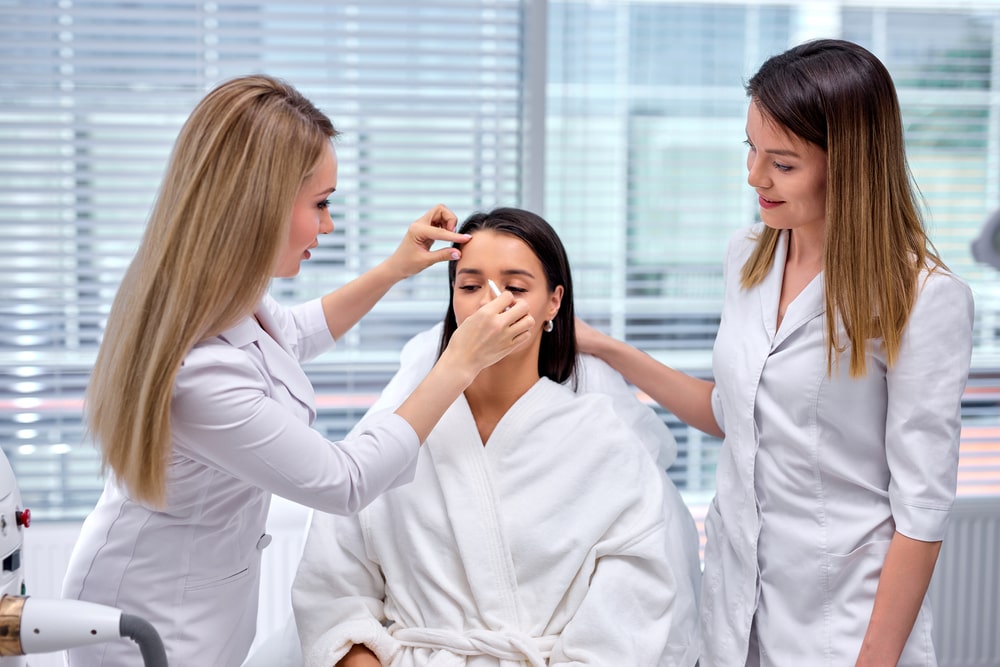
(840, 97)
(209, 251)
(557, 350)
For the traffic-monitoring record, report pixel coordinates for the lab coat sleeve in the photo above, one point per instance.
(627, 611)
(337, 594)
(717, 410)
(303, 327)
(923, 420)
(223, 417)
(738, 250)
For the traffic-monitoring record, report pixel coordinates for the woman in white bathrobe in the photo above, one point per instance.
(541, 536)
(839, 367)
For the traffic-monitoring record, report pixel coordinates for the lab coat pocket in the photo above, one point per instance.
(216, 582)
(851, 584)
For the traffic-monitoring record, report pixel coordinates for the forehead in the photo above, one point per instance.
(767, 133)
(493, 246)
(325, 171)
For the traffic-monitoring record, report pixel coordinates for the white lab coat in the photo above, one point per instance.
(546, 546)
(816, 473)
(240, 427)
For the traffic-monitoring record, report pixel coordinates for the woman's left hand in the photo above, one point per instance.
(414, 253)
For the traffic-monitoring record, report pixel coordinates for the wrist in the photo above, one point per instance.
(605, 347)
(461, 371)
(394, 270)
(359, 656)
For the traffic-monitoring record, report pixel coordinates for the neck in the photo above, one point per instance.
(805, 249)
(498, 387)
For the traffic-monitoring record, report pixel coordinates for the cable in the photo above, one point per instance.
(144, 634)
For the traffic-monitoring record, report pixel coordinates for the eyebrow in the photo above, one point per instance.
(781, 151)
(327, 192)
(505, 272)
(776, 151)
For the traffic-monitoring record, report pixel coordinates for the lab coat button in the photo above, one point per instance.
(262, 543)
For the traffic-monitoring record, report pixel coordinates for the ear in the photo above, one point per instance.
(555, 301)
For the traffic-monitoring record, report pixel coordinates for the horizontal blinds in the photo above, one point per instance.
(646, 167)
(644, 172)
(93, 93)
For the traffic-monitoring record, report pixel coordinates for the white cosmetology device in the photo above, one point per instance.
(33, 625)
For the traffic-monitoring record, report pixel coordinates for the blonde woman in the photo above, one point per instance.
(197, 398)
(839, 368)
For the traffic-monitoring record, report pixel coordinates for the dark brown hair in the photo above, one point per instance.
(840, 97)
(557, 352)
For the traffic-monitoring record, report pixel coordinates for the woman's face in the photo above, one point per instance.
(788, 173)
(510, 263)
(310, 215)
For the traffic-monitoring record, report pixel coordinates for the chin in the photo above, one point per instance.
(287, 273)
(774, 223)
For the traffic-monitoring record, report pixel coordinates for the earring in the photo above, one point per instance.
(549, 326)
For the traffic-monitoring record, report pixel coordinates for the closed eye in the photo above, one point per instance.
(473, 287)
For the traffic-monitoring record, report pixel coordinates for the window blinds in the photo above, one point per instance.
(642, 172)
(92, 94)
(646, 167)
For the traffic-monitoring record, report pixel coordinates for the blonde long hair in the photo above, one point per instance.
(213, 238)
(840, 97)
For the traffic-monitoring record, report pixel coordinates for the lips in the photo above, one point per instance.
(767, 203)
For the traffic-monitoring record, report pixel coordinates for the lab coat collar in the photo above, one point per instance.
(242, 334)
(253, 328)
(263, 331)
(808, 305)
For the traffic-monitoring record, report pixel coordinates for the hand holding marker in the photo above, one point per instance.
(496, 291)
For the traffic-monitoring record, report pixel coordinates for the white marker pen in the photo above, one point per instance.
(496, 291)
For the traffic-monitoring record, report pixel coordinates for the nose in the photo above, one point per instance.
(756, 174)
(325, 223)
(485, 296)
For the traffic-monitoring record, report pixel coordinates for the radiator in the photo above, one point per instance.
(965, 589)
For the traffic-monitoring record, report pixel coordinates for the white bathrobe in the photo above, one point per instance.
(547, 546)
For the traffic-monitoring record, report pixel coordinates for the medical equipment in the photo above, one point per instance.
(986, 247)
(32, 625)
